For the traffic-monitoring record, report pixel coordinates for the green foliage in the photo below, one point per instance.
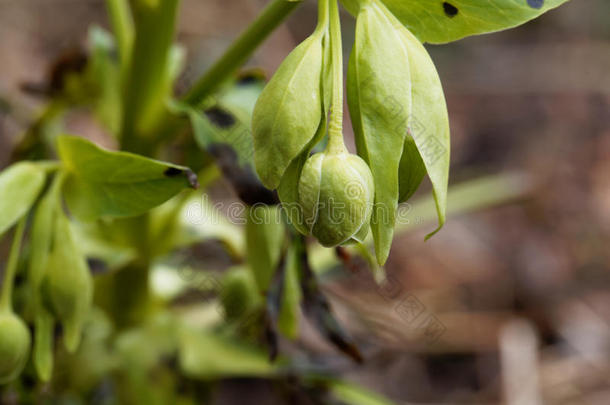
(429, 126)
(102, 183)
(125, 213)
(20, 184)
(265, 236)
(379, 96)
(288, 320)
(205, 355)
(41, 240)
(445, 21)
(44, 326)
(15, 336)
(239, 295)
(288, 111)
(68, 283)
(355, 395)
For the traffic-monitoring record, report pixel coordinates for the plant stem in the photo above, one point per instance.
(335, 127)
(124, 294)
(122, 26)
(11, 268)
(322, 17)
(239, 52)
(147, 84)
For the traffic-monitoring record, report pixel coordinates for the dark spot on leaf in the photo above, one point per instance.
(245, 183)
(450, 10)
(220, 117)
(172, 172)
(535, 3)
(191, 177)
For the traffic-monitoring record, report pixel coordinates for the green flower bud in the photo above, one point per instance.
(238, 294)
(336, 194)
(14, 346)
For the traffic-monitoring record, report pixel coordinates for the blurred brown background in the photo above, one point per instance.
(520, 293)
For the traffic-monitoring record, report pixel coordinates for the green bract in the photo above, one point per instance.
(41, 237)
(14, 346)
(428, 128)
(336, 195)
(379, 99)
(69, 283)
(288, 111)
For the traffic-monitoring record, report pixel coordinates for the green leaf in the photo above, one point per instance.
(41, 238)
(379, 99)
(102, 183)
(355, 395)
(411, 171)
(220, 124)
(288, 190)
(42, 235)
(20, 184)
(288, 320)
(243, 93)
(438, 21)
(264, 238)
(205, 355)
(69, 284)
(428, 126)
(43, 344)
(288, 111)
(111, 242)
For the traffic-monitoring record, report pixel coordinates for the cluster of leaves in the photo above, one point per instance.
(130, 215)
(398, 113)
